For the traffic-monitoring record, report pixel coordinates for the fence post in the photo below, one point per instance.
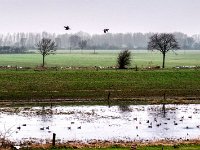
(109, 99)
(54, 139)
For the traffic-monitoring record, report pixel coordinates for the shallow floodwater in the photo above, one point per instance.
(134, 122)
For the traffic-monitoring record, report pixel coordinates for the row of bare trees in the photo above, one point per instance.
(162, 42)
(96, 41)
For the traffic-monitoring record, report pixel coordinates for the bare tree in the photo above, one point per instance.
(124, 59)
(46, 47)
(74, 40)
(163, 42)
(82, 44)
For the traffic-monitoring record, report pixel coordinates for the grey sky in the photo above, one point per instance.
(92, 16)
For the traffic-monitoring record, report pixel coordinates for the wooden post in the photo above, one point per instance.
(108, 95)
(54, 139)
(136, 68)
(109, 99)
(51, 102)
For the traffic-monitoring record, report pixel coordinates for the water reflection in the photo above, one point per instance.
(125, 108)
(46, 114)
(124, 122)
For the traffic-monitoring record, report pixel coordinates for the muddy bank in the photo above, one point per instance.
(99, 144)
(106, 144)
(113, 101)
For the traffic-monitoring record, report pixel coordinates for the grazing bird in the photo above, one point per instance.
(105, 30)
(187, 128)
(150, 126)
(79, 127)
(135, 119)
(42, 128)
(67, 27)
(158, 125)
(19, 128)
(24, 125)
(175, 123)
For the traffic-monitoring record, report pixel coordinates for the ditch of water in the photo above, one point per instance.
(128, 123)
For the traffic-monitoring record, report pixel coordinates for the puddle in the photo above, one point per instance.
(134, 122)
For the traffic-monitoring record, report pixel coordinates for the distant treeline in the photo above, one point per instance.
(19, 42)
(12, 49)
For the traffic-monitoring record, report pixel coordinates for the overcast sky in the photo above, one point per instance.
(91, 16)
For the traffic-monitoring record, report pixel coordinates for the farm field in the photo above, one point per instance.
(92, 84)
(103, 58)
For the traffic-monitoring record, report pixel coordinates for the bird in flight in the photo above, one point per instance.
(105, 30)
(66, 27)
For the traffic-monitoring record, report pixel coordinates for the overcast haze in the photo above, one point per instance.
(92, 16)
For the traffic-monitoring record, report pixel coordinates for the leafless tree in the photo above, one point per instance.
(163, 42)
(82, 44)
(74, 40)
(46, 47)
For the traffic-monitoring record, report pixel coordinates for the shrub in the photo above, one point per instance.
(124, 59)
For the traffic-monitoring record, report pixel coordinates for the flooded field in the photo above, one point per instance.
(85, 123)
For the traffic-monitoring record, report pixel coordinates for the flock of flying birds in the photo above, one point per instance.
(68, 28)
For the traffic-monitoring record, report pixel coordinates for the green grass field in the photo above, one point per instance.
(102, 58)
(92, 84)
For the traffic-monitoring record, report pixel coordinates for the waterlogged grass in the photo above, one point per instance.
(92, 84)
(102, 58)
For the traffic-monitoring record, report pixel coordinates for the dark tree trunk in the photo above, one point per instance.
(43, 60)
(163, 66)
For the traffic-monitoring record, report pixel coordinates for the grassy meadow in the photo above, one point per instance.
(103, 58)
(93, 84)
